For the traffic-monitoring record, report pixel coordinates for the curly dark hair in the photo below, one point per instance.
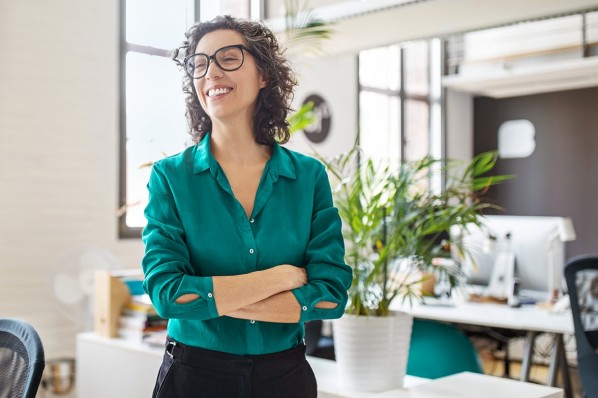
(273, 101)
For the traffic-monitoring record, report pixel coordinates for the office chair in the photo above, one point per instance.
(581, 274)
(439, 349)
(21, 359)
(318, 345)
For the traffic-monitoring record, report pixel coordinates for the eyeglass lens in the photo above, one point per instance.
(227, 59)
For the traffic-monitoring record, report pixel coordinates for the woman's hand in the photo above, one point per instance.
(290, 276)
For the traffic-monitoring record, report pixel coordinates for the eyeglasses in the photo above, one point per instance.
(227, 58)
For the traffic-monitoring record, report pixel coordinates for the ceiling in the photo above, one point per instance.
(360, 25)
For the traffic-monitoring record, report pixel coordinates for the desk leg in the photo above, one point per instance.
(558, 359)
(555, 360)
(528, 353)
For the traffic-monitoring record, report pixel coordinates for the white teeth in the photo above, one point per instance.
(217, 91)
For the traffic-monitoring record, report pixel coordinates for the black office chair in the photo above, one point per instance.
(317, 344)
(21, 359)
(581, 274)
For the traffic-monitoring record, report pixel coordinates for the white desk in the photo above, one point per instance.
(118, 368)
(527, 318)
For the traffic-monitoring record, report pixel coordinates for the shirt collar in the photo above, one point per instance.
(203, 158)
(280, 164)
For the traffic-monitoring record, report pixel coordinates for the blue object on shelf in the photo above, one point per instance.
(135, 286)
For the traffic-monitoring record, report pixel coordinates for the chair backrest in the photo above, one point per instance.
(438, 349)
(581, 274)
(21, 359)
(313, 332)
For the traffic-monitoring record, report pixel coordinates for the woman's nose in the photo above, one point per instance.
(213, 70)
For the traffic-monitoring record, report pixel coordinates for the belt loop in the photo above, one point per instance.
(170, 344)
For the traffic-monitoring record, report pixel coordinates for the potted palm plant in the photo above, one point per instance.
(396, 230)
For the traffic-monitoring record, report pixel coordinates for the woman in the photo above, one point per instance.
(243, 244)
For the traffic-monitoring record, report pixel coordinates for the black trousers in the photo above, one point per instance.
(191, 372)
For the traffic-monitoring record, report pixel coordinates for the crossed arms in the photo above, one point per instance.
(260, 295)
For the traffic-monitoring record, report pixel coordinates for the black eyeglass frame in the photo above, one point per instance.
(213, 58)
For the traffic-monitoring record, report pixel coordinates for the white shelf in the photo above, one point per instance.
(547, 77)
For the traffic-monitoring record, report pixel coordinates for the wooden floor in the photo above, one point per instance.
(538, 373)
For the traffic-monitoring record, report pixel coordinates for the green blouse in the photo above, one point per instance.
(196, 229)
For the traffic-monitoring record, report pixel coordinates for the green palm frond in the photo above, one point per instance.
(303, 117)
(304, 33)
(394, 226)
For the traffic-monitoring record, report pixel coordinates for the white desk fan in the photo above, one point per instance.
(73, 281)
(72, 284)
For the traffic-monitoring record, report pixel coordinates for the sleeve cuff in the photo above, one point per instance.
(303, 303)
(204, 287)
(208, 286)
(309, 311)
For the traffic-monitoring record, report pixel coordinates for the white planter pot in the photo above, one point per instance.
(371, 352)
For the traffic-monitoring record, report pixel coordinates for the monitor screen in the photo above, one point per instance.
(535, 242)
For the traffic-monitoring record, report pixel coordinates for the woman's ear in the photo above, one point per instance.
(263, 81)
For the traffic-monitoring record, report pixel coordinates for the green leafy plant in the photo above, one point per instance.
(396, 229)
(304, 33)
(301, 118)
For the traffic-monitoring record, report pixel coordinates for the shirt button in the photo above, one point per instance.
(251, 251)
(304, 308)
(252, 321)
(209, 294)
(252, 221)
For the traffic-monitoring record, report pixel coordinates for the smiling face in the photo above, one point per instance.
(228, 97)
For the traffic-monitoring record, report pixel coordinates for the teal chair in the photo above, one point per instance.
(439, 349)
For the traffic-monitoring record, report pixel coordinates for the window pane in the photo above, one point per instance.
(380, 68)
(158, 23)
(379, 117)
(416, 68)
(416, 129)
(156, 123)
(236, 8)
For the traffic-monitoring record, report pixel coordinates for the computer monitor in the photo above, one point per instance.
(537, 243)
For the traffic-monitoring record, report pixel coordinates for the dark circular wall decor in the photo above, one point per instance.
(319, 129)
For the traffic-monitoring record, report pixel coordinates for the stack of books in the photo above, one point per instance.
(139, 321)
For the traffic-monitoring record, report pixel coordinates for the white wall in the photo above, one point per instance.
(58, 152)
(458, 125)
(334, 78)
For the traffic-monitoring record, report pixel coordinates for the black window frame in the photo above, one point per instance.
(403, 96)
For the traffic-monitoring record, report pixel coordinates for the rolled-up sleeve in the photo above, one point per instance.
(329, 277)
(166, 266)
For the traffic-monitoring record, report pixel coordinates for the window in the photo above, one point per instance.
(400, 102)
(153, 123)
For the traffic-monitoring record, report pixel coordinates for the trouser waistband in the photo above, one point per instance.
(232, 363)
